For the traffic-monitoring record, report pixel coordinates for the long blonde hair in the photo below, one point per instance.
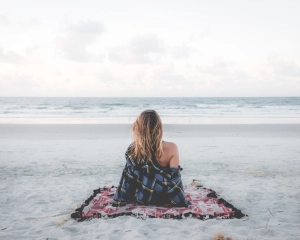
(147, 137)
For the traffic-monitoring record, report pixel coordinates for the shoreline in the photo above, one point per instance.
(165, 120)
(71, 131)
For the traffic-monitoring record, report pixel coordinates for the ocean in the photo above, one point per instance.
(213, 110)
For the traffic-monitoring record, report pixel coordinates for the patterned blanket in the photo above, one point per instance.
(206, 204)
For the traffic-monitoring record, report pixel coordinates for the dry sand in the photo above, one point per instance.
(47, 169)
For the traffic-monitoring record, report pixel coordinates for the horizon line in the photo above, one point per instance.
(149, 97)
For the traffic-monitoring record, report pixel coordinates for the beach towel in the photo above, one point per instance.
(206, 204)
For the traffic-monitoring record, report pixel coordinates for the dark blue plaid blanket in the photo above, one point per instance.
(148, 183)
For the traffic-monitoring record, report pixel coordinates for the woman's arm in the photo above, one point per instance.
(126, 189)
(127, 185)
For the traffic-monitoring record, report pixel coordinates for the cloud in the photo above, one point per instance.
(197, 36)
(33, 49)
(140, 78)
(57, 73)
(181, 52)
(4, 20)
(88, 28)
(24, 23)
(17, 80)
(32, 22)
(166, 75)
(10, 57)
(106, 76)
(76, 39)
(218, 67)
(282, 67)
(146, 49)
(241, 75)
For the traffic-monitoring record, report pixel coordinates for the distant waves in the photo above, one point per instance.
(126, 109)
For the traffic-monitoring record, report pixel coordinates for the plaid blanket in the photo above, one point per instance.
(205, 204)
(149, 183)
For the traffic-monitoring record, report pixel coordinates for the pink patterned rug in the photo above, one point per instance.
(206, 204)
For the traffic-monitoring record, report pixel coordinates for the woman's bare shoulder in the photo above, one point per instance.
(170, 146)
(171, 152)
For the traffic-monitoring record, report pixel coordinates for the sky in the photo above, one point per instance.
(94, 48)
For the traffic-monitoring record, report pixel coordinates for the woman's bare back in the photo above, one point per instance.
(170, 155)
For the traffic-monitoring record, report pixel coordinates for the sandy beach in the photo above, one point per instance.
(46, 170)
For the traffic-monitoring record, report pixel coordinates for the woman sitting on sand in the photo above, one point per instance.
(152, 172)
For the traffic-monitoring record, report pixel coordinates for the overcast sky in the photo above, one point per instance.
(94, 48)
